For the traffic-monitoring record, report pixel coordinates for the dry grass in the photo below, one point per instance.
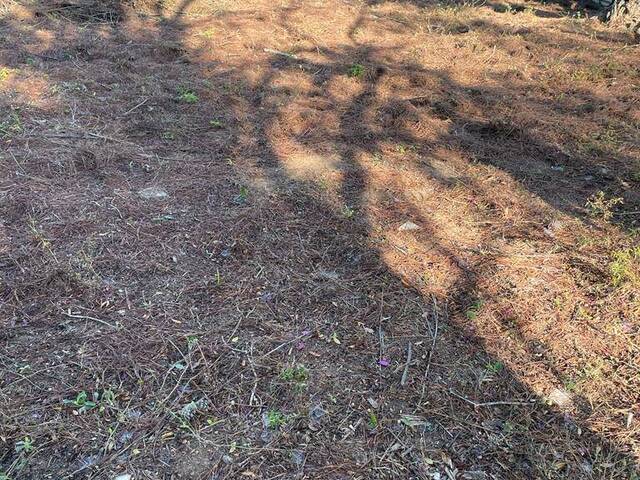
(265, 316)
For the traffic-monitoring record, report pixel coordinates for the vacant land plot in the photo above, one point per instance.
(336, 239)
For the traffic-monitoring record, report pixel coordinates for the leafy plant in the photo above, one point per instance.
(275, 419)
(192, 342)
(81, 401)
(4, 74)
(356, 70)
(187, 96)
(495, 366)
(600, 206)
(216, 123)
(243, 195)
(108, 399)
(404, 149)
(84, 403)
(25, 445)
(297, 373)
(208, 33)
(347, 211)
(625, 266)
(372, 421)
(11, 125)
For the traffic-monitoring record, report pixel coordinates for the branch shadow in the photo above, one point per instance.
(360, 123)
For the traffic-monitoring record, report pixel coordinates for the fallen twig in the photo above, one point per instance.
(486, 404)
(86, 317)
(284, 344)
(403, 381)
(278, 52)
(137, 106)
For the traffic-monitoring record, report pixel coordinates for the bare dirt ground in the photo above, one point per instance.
(318, 239)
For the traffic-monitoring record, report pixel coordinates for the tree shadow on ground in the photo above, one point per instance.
(295, 104)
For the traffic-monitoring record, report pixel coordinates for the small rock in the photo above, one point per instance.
(557, 168)
(153, 193)
(124, 476)
(409, 226)
(316, 413)
(267, 297)
(559, 397)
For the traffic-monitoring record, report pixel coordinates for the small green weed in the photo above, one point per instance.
(298, 373)
(356, 71)
(40, 238)
(569, 384)
(297, 376)
(192, 342)
(25, 445)
(625, 267)
(403, 149)
(473, 311)
(81, 402)
(494, 367)
(607, 139)
(216, 123)
(69, 87)
(208, 33)
(233, 88)
(372, 421)
(347, 211)
(601, 206)
(243, 195)
(10, 125)
(595, 73)
(275, 419)
(4, 74)
(187, 96)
